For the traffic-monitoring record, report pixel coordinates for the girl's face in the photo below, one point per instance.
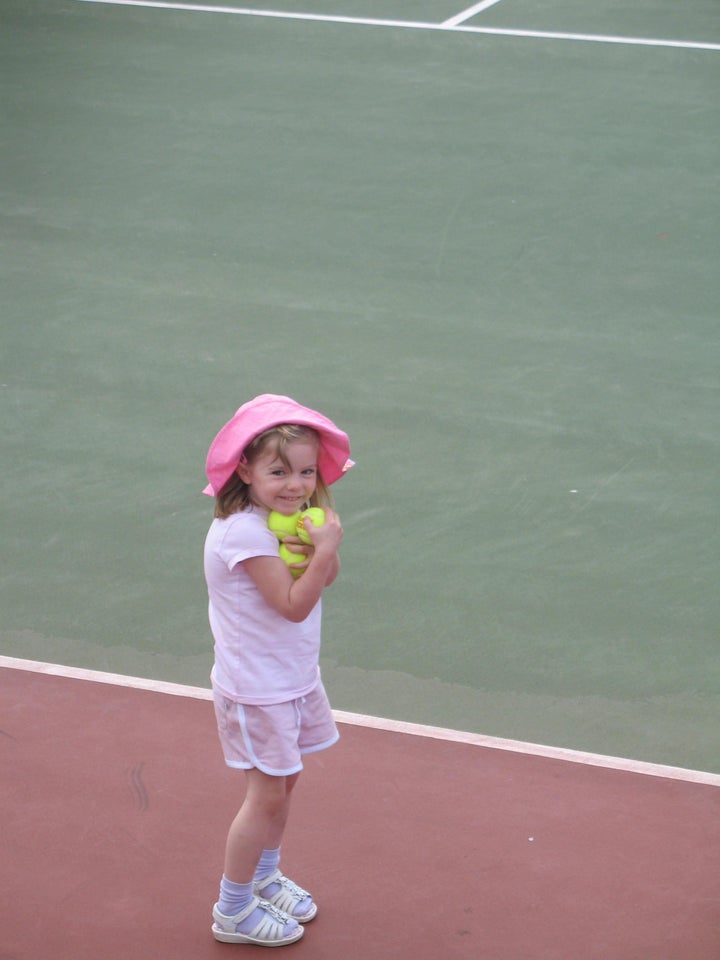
(275, 485)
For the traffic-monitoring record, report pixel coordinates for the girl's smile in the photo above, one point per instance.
(279, 485)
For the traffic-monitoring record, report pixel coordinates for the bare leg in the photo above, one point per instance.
(259, 824)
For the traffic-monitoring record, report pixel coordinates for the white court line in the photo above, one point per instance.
(470, 12)
(413, 25)
(380, 723)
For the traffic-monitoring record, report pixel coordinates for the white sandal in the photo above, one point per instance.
(270, 931)
(287, 897)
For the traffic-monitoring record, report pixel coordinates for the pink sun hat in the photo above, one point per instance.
(261, 414)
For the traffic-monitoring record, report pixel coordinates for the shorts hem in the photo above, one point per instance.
(320, 746)
(263, 768)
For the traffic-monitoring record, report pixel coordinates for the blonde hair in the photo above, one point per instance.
(235, 495)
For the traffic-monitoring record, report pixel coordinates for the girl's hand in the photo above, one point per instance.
(325, 538)
(303, 551)
(328, 536)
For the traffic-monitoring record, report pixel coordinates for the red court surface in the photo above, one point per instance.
(115, 804)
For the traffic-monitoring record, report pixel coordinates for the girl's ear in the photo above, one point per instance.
(243, 472)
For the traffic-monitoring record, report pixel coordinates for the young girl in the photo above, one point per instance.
(271, 707)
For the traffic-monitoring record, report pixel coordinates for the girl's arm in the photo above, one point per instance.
(334, 571)
(294, 599)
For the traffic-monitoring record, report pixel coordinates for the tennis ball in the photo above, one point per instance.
(289, 557)
(313, 515)
(283, 525)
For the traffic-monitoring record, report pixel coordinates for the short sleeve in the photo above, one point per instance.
(247, 535)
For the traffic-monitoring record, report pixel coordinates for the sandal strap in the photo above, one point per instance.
(272, 926)
(292, 888)
(289, 895)
(273, 916)
(245, 912)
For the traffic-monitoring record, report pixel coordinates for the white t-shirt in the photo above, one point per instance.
(260, 657)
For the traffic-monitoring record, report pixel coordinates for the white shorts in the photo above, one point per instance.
(274, 738)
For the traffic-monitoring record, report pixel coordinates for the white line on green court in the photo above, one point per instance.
(470, 12)
(413, 25)
(381, 723)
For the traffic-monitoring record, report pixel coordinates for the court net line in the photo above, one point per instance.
(381, 723)
(447, 27)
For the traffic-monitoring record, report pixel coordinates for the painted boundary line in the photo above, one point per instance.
(379, 723)
(470, 12)
(449, 26)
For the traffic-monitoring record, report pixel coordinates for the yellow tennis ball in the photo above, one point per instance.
(289, 557)
(313, 515)
(283, 525)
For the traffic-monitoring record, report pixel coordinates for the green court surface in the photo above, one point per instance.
(491, 259)
(697, 20)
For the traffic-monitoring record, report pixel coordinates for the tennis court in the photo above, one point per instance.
(484, 241)
(491, 258)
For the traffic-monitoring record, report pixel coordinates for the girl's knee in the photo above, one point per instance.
(270, 793)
